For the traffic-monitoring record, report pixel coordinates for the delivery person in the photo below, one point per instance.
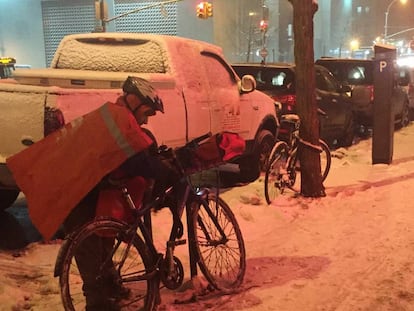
(140, 98)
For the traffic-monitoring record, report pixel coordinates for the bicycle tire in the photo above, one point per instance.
(325, 160)
(277, 161)
(142, 294)
(222, 264)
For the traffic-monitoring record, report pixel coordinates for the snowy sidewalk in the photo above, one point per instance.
(351, 250)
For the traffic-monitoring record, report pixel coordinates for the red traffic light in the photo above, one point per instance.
(263, 25)
(202, 10)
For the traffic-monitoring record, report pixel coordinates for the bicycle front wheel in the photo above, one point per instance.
(276, 167)
(219, 243)
(325, 159)
(114, 263)
(294, 166)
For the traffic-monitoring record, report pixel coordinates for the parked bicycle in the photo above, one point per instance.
(215, 244)
(283, 167)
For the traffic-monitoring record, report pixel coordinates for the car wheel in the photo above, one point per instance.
(411, 114)
(405, 115)
(7, 198)
(349, 133)
(265, 142)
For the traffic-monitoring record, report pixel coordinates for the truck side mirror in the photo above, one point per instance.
(247, 84)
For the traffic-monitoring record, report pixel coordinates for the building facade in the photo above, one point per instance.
(31, 30)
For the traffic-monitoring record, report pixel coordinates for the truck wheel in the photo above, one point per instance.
(7, 198)
(265, 142)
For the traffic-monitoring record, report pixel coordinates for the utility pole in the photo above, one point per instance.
(264, 24)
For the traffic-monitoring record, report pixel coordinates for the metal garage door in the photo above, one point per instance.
(65, 17)
(78, 16)
(161, 20)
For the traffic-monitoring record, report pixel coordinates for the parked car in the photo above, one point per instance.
(406, 76)
(359, 75)
(277, 80)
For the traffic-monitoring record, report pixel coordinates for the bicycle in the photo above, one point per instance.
(215, 245)
(283, 167)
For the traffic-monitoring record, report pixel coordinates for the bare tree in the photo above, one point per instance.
(309, 156)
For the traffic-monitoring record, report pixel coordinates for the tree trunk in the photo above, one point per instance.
(309, 157)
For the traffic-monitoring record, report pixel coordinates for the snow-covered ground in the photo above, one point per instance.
(351, 250)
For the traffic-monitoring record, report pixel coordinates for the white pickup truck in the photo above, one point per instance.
(200, 91)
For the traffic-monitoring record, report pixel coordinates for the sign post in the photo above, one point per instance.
(263, 53)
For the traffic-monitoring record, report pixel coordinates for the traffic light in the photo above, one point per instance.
(202, 10)
(263, 25)
(209, 9)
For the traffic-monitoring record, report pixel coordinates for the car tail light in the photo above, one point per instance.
(371, 93)
(54, 120)
(288, 102)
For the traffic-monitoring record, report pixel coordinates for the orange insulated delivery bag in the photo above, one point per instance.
(56, 172)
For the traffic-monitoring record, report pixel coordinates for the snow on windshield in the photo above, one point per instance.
(125, 56)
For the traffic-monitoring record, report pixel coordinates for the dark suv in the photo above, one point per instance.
(359, 74)
(278, 81)
(406, 76)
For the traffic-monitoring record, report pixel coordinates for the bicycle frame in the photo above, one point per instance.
(215, 243)
(143, 224)
(292, 144)
(281, 175)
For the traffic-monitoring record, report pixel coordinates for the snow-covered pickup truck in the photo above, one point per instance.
(200, 91)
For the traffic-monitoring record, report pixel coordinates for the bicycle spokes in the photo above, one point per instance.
(220, 244)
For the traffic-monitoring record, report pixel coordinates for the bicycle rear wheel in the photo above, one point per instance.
(219, 243)
(276, 166)
(122, 271)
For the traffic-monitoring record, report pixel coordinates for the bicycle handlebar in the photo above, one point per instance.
(182, 156)
(196, 141)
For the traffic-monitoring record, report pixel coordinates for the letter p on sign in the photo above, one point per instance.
(383, 65)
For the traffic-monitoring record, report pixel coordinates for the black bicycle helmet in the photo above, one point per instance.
(143, 89)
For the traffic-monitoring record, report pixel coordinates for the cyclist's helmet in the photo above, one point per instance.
(143, 89)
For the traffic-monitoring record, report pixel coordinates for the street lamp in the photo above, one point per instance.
(386, 16)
